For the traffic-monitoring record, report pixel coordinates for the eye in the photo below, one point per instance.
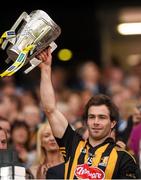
(103, 117)
(47, 135)
(91, 116)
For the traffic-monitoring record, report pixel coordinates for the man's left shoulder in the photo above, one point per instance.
(124, 154)
(128, 164)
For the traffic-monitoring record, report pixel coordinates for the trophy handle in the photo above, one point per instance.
(35, 62)
(23, 16)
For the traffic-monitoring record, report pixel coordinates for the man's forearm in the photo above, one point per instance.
(56, 119)
(47, 91)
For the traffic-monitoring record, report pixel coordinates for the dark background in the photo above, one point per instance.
(78, 20)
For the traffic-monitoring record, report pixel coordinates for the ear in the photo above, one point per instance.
(113, 123)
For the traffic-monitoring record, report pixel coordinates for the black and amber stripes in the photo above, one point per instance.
(80, 157)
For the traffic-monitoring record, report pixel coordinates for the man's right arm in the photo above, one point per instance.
(57, 120)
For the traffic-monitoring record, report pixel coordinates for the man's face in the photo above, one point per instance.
(3, 140)
(99, 123)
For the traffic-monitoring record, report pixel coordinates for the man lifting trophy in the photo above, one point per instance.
(27, 38)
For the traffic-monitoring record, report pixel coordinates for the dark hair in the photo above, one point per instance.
(21, 124)
(102, 99)
(18, 124)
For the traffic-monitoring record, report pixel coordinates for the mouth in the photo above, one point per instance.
(53, 143)
(96, 129)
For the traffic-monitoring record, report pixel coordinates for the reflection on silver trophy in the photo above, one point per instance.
(35, 32)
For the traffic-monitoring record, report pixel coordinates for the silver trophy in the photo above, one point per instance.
(35, 32)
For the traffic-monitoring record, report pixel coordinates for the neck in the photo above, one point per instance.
(95, 142)
(54, 158)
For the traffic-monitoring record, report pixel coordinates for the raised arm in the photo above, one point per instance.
(56, 119)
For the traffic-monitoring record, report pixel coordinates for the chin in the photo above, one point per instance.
(96, 136)
(53, 149)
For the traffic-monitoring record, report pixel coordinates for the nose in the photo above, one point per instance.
(52, 138)
(96, 120)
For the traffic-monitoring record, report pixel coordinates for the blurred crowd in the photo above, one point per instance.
(24, 127)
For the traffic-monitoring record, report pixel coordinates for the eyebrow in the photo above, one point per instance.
(98, 115)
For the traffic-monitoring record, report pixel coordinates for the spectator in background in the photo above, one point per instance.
(31, 115)
(83, 132)
(5, 105)
(59, 78)
(118, 142)
(113, 76)
(89, 78)
(8, 89)
(74, 104)
(136, 117)
(85, 96)
(5, 124)
(48, 155)
(120, 94)
(28, 97)
(132, 82)
(126, 122)
(4, 146)
(134, 141)
(10, 107)
(3, 139)
(15, 108)
(20, 141)
(78, 123)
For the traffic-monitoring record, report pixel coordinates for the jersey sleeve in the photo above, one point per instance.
(66, 143)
